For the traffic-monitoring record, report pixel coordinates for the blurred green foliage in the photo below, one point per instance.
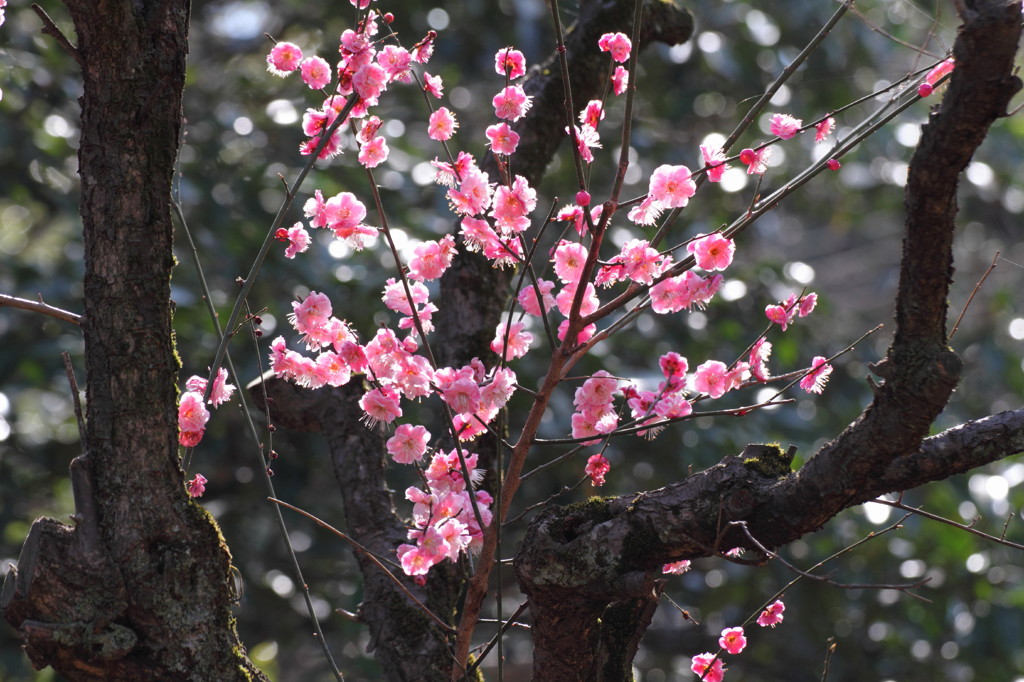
(838, 236)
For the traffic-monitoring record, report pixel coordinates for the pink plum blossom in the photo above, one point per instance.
(618, 44)
(283, 59)
(784, 125)
(815, 380)
(374, 152)
(511, 205)
(528, 297)
(714, 159)
(582, 336)
(823, 129)
(463, 395)
(395, 61)
(316, 72)
(586, 139)
(592, 114)
(297, 238)
(431, 259)
(197, 486)
(433, 85)
(519, 340)
(712, 377)
(672, 185)
(474, 193)
(597, 467)
(380, 405)
(510, 63)
(683, 291)
(707, 667)
(569, 261)
(772, 615)
(712, 252)
(620, 80)
(758, 359)
(221, 391)
(512, 103)
(756, 161)
(673, 365)
(408, 444)
(732, 640)
(503, 139)
(422, 51)
(442, 125)
(807, 304)
(676, 567)
(369, 81)
(192, 418)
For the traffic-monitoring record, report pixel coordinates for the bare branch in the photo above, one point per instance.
(39, 307)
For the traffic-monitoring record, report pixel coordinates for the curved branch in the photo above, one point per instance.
(577, 560)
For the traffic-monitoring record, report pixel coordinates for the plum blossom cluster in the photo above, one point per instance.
(444, 515)
(494, 213)
(784, 127)
(785, 312)
(709, 667)
(445, 520)
(362, 73)
(192, 413)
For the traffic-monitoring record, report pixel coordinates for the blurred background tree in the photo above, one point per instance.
(837, 236)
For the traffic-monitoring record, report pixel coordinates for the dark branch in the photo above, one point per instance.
(573, 558)
(39, 307)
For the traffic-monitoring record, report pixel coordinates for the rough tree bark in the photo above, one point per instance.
(139, 588)
(581, 564)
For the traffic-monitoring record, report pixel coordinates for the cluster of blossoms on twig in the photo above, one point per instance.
(709, 667)
(494, 218)
(193, 415)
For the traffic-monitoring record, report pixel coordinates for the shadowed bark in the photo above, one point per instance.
(139, 588)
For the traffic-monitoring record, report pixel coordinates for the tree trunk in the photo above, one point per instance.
(140, 587)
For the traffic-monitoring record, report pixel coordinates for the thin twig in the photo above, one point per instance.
(970, 298)
(39, 307)
(505, 625)
(50, 29)
(254, 434)
(74, 396)
(370, 555)
(870, 536)
(832, 646)
(949, 522)
(902, 587)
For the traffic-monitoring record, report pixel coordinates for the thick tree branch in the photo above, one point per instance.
(580, 550)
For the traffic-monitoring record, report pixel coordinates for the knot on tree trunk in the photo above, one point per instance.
(64, 600)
